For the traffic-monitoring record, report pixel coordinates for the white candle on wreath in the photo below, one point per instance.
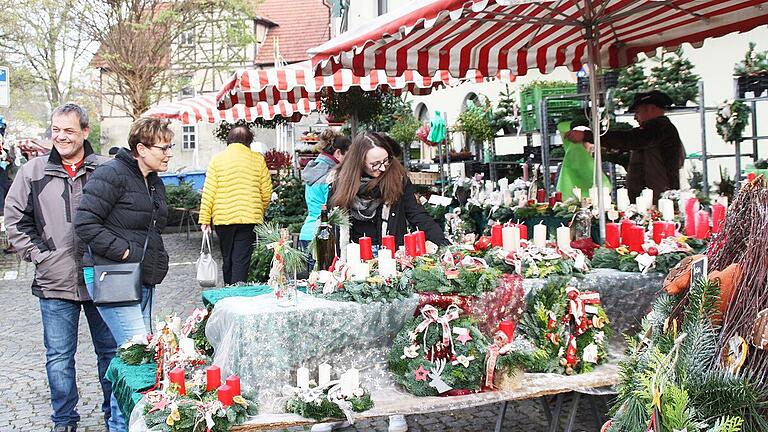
(354, 378)
(323, 374)
(302, 378)
(667, 209)
(387, 267)
(622, 199)
(360, 271)
(345, 381)
(641, 204)
(510, 238)
(353, 254)
(563, 238)
(540, 235)
(647, 195)
(187, 346)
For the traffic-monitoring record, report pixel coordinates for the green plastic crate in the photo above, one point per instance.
(529, 121)
(556, 108)
(531, 97)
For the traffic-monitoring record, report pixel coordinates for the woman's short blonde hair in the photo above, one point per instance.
(149, 131)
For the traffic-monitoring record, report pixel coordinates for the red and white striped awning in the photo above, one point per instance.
(518, 35)
(297, 82)
(203, 109)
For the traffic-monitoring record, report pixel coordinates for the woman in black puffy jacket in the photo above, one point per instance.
(123, 206)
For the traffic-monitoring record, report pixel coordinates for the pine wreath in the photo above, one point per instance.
(425, 366)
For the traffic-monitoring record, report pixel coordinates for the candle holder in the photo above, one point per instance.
(286, 293)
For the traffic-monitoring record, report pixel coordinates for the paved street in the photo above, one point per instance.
(25, 402)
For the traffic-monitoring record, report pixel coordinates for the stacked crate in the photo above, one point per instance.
(530, 100)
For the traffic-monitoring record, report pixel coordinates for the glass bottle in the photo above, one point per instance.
(325, 242)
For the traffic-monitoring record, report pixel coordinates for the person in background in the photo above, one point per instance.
(39, 213)
(236, 195)
(316, 177)
(656, 152)
(374, 187)
(123, 208)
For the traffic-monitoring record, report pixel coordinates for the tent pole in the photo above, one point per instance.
(594, 60)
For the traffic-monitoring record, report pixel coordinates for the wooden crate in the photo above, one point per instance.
(423, 178)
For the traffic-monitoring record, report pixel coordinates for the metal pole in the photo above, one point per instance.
(754, 131)
(594, 59)
(544, 143)
(703, 127)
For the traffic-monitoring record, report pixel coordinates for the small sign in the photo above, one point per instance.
(5, 89)
(698, 270)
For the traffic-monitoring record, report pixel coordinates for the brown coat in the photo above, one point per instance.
(656, 155)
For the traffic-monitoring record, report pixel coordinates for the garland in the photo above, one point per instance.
(672, 378)
(373, 289)
(327, 402)
(535, 263)
(465, 276)
(731, 120)
(136, 351)
(428, 361)
(660, 259)
(569, 328)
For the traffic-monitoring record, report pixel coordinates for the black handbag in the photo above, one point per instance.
(119, 284)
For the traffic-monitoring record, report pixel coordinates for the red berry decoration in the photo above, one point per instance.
(652, 251)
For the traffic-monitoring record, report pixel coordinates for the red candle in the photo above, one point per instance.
(691, 206)
(508, 327)
(421, 242)
(558, 196)
(718, 217)
(410, 245)
(388, 242)
(213, 377)
(523, 231)
(233, 381)
(636, 235)
(552, 201)
(669, 229)
(177, 377)
(366, 253)
(225, 395)
(659, 231)
(496, 240)
(625, 225)
(612, 235)
(540, 195)
(702, 225)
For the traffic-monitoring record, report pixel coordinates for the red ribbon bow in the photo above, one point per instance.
(432, 315)
(577, 302)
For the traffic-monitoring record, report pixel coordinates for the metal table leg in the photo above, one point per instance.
(574, 410)
(554, 424)
(547, 408)
(500, 419)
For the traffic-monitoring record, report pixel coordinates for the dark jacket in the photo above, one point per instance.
(115, 214)
(39, 214)
(656, 155)
(402, 214)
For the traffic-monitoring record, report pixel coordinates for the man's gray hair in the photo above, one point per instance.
(65, 109)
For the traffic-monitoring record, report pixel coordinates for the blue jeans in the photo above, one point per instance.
(125, 322)
(61, 320)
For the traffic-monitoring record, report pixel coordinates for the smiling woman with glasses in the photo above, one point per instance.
(374, 187)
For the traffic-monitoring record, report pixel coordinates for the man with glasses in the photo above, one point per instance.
(39, 213)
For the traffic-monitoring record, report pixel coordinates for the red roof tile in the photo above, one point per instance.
(301, 26)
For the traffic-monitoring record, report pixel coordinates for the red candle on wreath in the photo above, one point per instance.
(541, 195)
(508, 328)
(212, 377)
(612, 236)
(366, 248)
(225, 395)
(233, 381)
(669, 229)
(388, 242)
(636, 238)
(177, 377)
(552, 201)
(659, 231)
(496, 239)
(558, 197)
(523, 230)
(691, 207)
(702, 224)
(421, 242)
(625, 225)
(410, 245)
(718, 217)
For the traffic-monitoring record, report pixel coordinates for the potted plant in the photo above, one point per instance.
(476, 122)
(752, 72)
(507, 114)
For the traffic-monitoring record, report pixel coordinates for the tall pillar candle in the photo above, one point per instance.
(354, 378)
(346, 384)
(648, 196)
(641, 204)
(353, 253)
(622, 199)
(323, 374)
(612, 235)
(667, 209)
(636, 239)
(659, 231)
(212, 377)
(421, 242)
(669, 229)
(702, 224)
(510, 238)
(177, 377)
(497, 239)
(540, 235)
(361, 271)
(523, 230)
(691, 207)
(564, 238)
(718, 217)
(366, 251)
(541, 196)
(625, 225)
(388, 242)
(410, 245)
(302, 378)
(508, 328)
(233, 381)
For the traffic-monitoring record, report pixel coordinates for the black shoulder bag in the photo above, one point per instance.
(119, 284)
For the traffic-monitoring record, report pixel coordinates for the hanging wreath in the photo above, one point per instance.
(731, 120)
(438, 353)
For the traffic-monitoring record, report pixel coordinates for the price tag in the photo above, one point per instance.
(698, 270)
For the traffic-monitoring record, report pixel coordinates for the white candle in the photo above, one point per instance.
(510, 238)
(387, 267)
(345, 382)
(384, 254)
(647, 195)
(577, 193)
(323, 374)
(187, 346)
(503, 185)
(641, 204)
(540, 235)
(360, 271)
(622, 199)
(521, 197)
(606, 197)
(564, 238)
(489, 185)
(343, 241)
(353, 254)
(302, 378)
(354, 378)
(593, 196)
(667, 209)
(176, 325)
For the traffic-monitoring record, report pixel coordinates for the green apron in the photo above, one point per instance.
(577, 169)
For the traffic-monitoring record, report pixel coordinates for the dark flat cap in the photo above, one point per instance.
(653, 97)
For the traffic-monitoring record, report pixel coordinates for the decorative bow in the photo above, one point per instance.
(501, 345)
(432, 315)
(577, 306)
(189, 324)
(207, 409)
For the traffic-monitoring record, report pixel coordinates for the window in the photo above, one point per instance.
(188, 138)
(187, 38)
(382, 6)
(187, 89)
(422, 112)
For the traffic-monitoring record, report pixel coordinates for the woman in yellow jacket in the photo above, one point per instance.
(236, 195)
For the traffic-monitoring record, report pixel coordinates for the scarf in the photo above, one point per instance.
(366, 202)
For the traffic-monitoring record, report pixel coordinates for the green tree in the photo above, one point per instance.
(674, 76)
(631, 80)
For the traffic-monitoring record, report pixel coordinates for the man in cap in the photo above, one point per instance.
(656, 152)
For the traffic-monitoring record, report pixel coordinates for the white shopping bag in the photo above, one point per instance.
(207, 270)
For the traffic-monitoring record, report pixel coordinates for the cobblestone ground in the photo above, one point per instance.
(25, 403)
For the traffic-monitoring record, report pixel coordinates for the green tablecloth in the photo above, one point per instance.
(129, 381)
